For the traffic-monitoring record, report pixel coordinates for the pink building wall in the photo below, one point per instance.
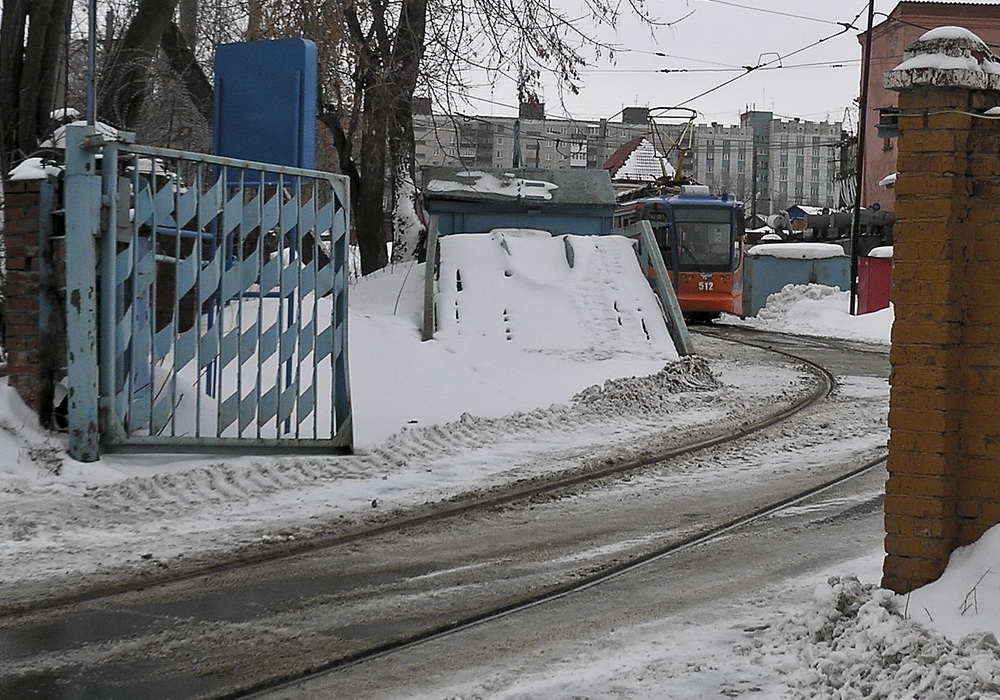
(905, 24)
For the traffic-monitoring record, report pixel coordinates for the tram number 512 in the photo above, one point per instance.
(706, 286)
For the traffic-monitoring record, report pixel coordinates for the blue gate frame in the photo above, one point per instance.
(219, 318)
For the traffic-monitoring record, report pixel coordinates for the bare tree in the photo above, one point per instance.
(32, 36)
(124, 80)
(386, 51)
(375, 55)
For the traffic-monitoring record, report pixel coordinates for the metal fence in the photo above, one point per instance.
(218, 319)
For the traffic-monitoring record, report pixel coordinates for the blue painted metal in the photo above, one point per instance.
(580, 201)
(83, 199)
(766, 275)
(223, 309)
(265, 102)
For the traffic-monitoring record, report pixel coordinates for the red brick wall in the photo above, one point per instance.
(21, 329)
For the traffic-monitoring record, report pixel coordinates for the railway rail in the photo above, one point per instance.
(368, 594)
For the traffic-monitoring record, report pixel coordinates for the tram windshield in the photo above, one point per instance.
(705, 237)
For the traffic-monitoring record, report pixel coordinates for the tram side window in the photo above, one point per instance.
(661, 231)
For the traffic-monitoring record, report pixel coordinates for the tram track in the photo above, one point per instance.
(459, 505)
(517, 500)
(559, 592)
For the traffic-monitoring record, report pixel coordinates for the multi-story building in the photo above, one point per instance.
(794, 162)
(536, 141)
(769, 163)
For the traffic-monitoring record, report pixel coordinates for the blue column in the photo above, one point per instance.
(83, 220)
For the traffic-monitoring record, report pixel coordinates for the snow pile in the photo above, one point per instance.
(649, 394)
(968, 593)
(854, 642)
(818, 310)
(597, 304)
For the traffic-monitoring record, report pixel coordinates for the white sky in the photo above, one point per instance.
(708, 39)
(476, 407)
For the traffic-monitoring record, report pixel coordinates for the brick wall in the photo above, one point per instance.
(944, 452)
(21, 327)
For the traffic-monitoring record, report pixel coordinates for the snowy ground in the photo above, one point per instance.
(478, 407)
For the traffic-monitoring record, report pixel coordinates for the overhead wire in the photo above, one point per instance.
(846, 27)
(778, 12)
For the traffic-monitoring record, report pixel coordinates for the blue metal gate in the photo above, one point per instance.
(222, 302)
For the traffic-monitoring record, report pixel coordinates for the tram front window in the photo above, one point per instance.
(704, 237)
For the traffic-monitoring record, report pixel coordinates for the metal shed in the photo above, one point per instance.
(479, 200)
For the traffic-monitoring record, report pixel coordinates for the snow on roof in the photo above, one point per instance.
(578, 186)
(798, 251)
(58, 139)
(883, 251)
(505, 185)
(807, 209)
(638, 161)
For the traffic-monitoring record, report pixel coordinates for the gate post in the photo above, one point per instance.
(943, 490)
(83, 222)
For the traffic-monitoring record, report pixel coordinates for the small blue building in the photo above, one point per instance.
(479, 200)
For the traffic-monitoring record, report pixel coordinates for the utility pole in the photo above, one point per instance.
(862, 126)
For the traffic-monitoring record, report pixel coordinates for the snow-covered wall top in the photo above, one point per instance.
(797, 251)
(947, 57)
(33, 169)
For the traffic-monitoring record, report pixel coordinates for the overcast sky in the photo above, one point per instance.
(818, 77)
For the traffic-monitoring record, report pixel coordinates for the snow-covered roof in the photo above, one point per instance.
(807, 209)
(58, 139)
(579, 187)
(638, 161)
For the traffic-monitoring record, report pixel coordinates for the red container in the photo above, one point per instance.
(874, 284)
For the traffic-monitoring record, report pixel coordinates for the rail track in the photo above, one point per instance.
(135, 641)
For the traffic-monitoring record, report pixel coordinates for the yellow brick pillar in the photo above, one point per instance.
(944, 451)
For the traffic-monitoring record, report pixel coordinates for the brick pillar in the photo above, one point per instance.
(21, 327)
(944, 414)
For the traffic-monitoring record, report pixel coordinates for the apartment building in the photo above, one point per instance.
(768, 162)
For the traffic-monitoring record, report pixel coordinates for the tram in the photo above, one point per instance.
(700, 236)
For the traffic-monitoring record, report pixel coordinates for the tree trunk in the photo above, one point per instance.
(13, 24)
(409, 51)
(180, 54)
(369, 214)
(32, 36)
(125, 80)
(187, 21)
